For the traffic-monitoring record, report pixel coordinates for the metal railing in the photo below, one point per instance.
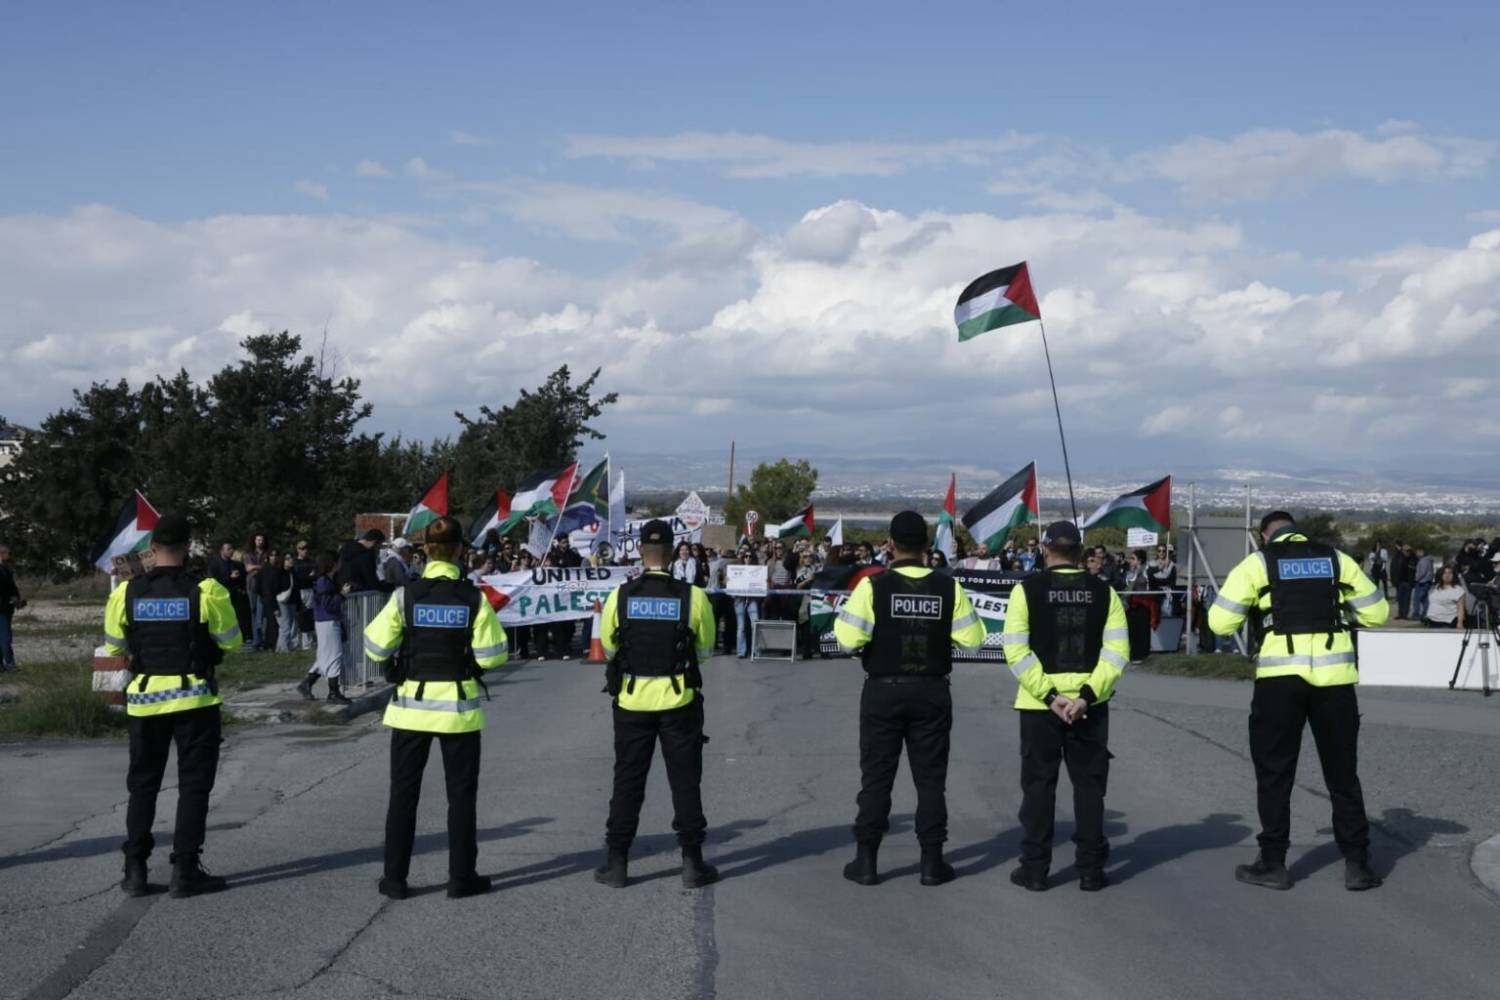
(359, 610)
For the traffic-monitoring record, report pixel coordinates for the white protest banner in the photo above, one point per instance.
(552, 594)
(693, 511)
(745, 581)
(681, 532)
(1139, 538)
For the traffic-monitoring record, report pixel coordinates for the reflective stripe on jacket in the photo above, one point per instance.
(656, 694)
(1309, 656)
(855, 624)
(1036, 683)
(163, 694)
(443, 706)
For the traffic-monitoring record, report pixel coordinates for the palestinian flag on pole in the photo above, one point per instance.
(997, 299)
(496, 515)
(1010, 505)
(433, 505)
(589, 502)
(798, 526)
(543, 494)
(943, 541)
(1149, 507)
(132, 532)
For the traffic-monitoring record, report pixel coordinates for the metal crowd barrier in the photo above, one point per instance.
(359, 610)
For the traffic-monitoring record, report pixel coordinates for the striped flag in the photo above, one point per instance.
(433, 505)
(496, 515)
(544, 494)
(997, 299)
(589, 501)
(800, 525)
(1008, 506)
(943, 541)
(1149, 507)
(132, 532)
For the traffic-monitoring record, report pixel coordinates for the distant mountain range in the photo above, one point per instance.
(1471, 491)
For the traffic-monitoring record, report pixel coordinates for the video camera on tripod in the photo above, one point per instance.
(1485, 620)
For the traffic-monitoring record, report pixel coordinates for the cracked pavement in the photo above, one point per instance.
(298, 814)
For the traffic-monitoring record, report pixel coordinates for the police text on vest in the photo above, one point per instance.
(440, 616)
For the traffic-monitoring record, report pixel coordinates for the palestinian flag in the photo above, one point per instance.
(798, 526)
(997, 299)
(496, 515)
(433, 505)
(132, 532)
(943, 541)
(544, 494)
(589, 502)
(1149, 507)
(1010, 505)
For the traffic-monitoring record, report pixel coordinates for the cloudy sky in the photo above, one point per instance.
(1258, 235)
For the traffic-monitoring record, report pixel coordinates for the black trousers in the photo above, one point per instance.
(724, 612)
(1046, 744)
(409, 750)
(197, 735)
(1278, 711)
(680, 731)
(916, 714)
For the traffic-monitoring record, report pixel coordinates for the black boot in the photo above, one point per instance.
(469, 885)
(696, 874)
(613, 872)
(335, 696)
(305, 688)
(1357, 874)
(936, 871)
(393, 888)
(862, 870)
(190, 879)
(1265, 872)
(134, 882)
(1030, 879)
(1093, 880)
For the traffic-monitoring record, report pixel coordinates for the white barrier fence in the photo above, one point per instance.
(1424, 658)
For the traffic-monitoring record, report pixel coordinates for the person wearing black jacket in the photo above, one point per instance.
(230, 573)
(357, 568)
(10, 601)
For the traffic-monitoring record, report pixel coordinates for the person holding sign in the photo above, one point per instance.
(655, 628)
(177, 627)
(1067, 644)
(435, 635)
(1306, 596)
(905, 622)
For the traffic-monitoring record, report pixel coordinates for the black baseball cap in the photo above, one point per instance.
(373, 535)
(656, 532)
(909, 530)
(1062, 535)
(172, 531)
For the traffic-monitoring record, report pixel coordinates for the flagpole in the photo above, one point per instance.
(1056, 408)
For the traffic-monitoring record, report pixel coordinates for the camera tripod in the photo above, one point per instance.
(1487, 627)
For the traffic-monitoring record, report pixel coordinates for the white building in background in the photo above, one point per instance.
(11, 440)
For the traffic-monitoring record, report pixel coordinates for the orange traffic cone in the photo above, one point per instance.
(596, 644)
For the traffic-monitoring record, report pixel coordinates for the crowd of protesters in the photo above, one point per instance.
(1434, 589)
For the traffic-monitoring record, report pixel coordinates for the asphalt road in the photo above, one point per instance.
(298, 813)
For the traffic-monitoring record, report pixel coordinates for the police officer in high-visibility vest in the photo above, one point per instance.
(656, 629)
(176, 626)
(435, 636)
(1067, 644)
(1307, 597)
(904, 623)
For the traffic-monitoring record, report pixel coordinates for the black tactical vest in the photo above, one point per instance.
(1303, 579)
(655, 636)
(437, 638)
(163, 625)
(913, 624)
(1068, 612)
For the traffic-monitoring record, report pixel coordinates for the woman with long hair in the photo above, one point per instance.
(328, 624)
(1445, 601)
(746, 610)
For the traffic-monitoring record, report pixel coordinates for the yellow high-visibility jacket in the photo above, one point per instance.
(162, 694)
(656, 694)
(1310, 657)
(445, 706)
(855, 625)
(1036, 684)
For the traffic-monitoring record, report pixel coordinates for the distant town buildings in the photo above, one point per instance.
(12, 437)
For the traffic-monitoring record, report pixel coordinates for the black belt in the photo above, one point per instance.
(907, 678)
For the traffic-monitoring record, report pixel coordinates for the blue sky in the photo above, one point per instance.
(469, 173)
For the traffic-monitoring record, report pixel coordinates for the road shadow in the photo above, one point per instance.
(425, 843)
(92, 847)
(1401, 832)
(1172, 843)
(806, 843)
(578, 863)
